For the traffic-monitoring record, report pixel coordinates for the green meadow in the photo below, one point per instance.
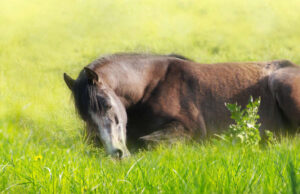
(41, 144)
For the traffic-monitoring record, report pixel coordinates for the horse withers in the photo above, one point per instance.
(134, 96)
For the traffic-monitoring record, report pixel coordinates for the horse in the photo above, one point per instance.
(151, 97)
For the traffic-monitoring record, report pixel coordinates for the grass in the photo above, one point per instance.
(41, 147)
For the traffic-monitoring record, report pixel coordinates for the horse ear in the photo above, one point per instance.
(91, 74)
(69, 81)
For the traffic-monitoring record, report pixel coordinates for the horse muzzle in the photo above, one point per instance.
(120, 153)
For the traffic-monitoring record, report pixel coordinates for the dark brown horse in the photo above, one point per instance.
(146, 96)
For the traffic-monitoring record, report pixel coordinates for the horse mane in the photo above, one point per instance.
(105, 59)
(85, 96)
(179, 56)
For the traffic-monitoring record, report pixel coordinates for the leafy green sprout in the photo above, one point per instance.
(245, 130)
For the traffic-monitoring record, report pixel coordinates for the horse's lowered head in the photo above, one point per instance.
(101, 109)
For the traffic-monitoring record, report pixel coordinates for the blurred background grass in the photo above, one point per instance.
(39, 40)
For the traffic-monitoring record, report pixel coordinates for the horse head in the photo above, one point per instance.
(101, 109)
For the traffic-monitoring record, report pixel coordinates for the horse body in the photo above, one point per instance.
(167, 95)
(158, 90)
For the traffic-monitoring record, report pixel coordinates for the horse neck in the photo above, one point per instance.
(134, 83)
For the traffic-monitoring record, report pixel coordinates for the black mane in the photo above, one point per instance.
(85, 96)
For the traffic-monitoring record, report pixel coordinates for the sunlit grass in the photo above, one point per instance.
(41, 147)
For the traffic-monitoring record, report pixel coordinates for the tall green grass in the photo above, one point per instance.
(41, 147)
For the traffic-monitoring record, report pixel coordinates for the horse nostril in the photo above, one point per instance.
(117, 153)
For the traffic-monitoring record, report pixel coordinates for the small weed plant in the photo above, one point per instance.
(245, 130)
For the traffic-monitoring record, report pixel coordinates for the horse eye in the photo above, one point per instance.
(117, 120)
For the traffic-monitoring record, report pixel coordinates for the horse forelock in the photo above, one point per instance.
(85, 96)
